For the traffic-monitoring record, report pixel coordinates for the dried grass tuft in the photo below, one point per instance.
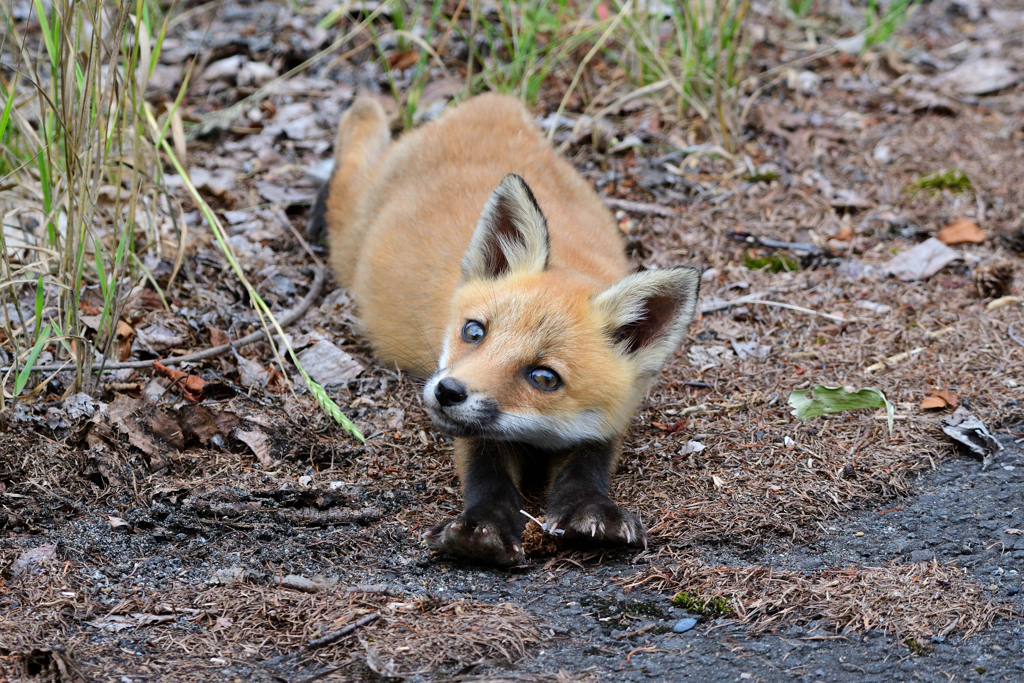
(911, 601)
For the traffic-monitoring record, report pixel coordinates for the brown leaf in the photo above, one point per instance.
(191, 386)
(961, 231)
(205, 424)
(259, 443)
(938, 399)
(402, 60)
(217, 337)
(845, 233)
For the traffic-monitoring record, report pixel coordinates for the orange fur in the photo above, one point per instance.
(400, 220)
(480, 258)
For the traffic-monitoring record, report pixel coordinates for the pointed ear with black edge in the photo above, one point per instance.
(648, 313)
(511, 237)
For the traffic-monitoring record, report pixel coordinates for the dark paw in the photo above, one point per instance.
(478, 540)
(600, 521)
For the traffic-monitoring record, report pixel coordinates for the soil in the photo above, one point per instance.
(238, 533)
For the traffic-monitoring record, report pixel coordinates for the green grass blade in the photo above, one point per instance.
(44, 26)
(40, 299)
(100, 271)
(261, 306)
(5, 116)
(30, 362)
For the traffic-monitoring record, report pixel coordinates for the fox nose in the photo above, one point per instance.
(450, 392)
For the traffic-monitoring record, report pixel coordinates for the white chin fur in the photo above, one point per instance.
(544, 431)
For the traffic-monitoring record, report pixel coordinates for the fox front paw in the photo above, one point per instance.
(476, 540)
(599, 521)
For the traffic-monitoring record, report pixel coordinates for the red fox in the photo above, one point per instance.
(484, 263)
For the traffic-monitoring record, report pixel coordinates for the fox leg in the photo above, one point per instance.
(490, 529)
(363, 136)
(579, 502)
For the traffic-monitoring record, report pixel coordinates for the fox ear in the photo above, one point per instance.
(512, 235)
(648, 313)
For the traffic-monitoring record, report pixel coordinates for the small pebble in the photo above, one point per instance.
(684, 625)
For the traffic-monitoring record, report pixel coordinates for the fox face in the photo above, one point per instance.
(541, 354)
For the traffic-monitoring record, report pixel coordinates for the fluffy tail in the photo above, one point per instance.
(363, 135)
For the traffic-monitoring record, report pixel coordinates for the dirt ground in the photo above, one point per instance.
(244, 536)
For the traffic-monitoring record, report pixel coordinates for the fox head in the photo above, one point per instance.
(544, 355)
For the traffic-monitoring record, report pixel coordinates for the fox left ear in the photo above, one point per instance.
(648, 314)
(512, 235)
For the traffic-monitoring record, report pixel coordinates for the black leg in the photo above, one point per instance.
(490, 530)
(578, 500)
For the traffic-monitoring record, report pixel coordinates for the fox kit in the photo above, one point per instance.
(481, 261)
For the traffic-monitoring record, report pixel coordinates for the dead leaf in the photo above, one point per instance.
(118, 523)
(961, 231)
(967, 429)
(191, 386)
(981, 76)
(224, 68)
(845, 233)
(939, 398)
(156, 338)
(259, 443)
(114, 623)
(922, 261)
(30, 560)
(402, 60)
(207, 424)
(251, 373)
(327, 364)
(217, 337)
(285, 195)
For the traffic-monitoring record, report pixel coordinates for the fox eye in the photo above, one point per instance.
(543, 378)
(473, 332)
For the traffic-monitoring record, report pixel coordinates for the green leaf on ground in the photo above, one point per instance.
(819, 400)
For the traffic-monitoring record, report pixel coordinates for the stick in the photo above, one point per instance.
(286, 320)
(1013, 336)
(639, 207)
(335, 636)
(753, 299)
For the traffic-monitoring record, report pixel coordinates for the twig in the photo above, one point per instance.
(1013, 336)
(712, 306)
(740, 236)
(639, 207)
(335, 636)
(286, 320)
(893, 359)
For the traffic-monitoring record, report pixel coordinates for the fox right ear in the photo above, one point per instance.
(511, 237)
(647, 314)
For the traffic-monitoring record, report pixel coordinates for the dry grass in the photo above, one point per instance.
(183, 631)
(911, 601)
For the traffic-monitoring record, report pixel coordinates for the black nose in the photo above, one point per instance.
(450, 392)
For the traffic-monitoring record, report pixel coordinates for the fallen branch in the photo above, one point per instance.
(754, 299)
(330, 516)
(286, 320)
(639, 207)
(335, 636)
